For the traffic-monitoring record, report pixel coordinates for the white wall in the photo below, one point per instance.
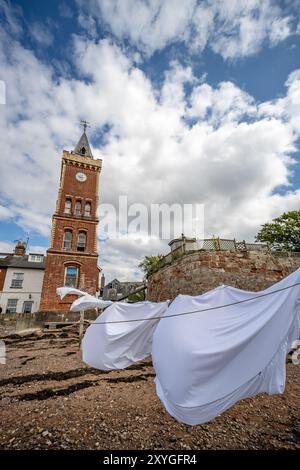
(32, 284)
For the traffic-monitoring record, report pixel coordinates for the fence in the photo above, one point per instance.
(212, 244)
(220, 244)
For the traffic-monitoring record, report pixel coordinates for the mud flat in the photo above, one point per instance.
(49, 399)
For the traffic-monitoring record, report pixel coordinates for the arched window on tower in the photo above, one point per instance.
(67, 241)
(71, 276)
(68, 206)
(78, 208)
(81, 241)
(87, 209)
(83, 151)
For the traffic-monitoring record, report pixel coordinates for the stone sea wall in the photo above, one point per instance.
(200, 271)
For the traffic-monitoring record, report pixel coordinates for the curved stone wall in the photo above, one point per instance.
(200, 271)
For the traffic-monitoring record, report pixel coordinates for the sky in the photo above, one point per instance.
(188, 101)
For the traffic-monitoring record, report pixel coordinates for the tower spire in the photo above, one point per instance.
(83, 147)
(84, 124)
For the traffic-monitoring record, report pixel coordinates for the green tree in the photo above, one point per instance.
(137, 296)
(216, 242)
(150, 264)
(283, 233)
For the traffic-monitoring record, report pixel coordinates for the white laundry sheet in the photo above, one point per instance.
(207, 361)
(118, 345)
(63, 291)
(88, 302)
(84, 302)
(204, 361)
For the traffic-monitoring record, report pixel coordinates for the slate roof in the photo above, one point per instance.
(13, 261)
(123, 283)
(83, 143)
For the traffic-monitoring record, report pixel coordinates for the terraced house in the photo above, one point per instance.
(21, 279)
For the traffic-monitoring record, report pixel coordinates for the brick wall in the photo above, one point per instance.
(2, 277)
(75, 226)
(198, 272)
(55, 269)
(59, 258)
(75, 190)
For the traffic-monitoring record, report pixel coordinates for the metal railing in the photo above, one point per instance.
(219, 244)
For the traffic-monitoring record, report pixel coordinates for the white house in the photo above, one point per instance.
(21, 280)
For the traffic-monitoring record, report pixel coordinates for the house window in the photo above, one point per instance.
(71, 276)
(17, 280)
(11, 306)
(67, 241)
(27, 306)
(87, 209)
(78, 208)
(68, 206)
(81, 241)
(36, 258)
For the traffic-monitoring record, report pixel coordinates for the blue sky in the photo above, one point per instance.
(194, 101)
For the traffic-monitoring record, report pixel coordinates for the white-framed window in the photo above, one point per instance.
(71, 276)
(17, 280)
(27, 306)
(67, 241)
(87, 209)
(11, 306)
(81, 241)
(68, 206)
(78, 208)
(36, 258)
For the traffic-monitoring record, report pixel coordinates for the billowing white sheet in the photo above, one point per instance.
(87, 302)
(207, 361)
(118, 345)
(204, 361)
(63, 291)
(84, 302)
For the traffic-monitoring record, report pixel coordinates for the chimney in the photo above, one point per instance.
(20, 248)
(102, 281)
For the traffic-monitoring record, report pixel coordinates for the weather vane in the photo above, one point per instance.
(84, 124)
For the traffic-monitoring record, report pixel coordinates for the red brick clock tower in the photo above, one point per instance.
(72, 258)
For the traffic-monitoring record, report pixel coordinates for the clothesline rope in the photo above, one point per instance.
(198, 311)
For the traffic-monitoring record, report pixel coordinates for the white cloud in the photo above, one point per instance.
(243, 27)
(6, 247)
(149, 25)
(4, 213)
(280, 29)
(41, 34)
(12, 15)
(216, 146)
(234, 28)
(36, 249)
(226, 103)
(286, 108)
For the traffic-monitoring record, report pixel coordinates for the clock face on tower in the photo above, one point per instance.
(81, 177)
